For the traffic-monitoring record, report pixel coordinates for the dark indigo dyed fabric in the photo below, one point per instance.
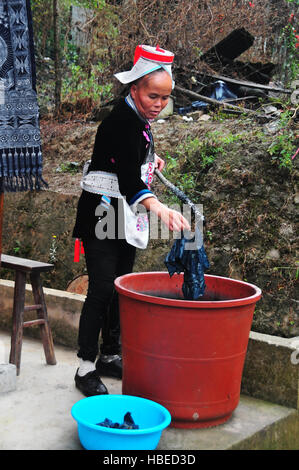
(128, 423)
(192, 262)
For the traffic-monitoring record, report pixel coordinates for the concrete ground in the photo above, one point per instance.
(37, 414)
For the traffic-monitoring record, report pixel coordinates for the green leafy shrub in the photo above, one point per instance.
(282, 149)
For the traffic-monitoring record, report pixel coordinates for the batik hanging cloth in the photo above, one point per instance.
(20, 143)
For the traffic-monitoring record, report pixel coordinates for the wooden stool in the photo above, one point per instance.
(22, 267)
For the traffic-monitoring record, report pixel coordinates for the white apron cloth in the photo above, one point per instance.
(136, 225)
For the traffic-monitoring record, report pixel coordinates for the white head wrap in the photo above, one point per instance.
(147, 59)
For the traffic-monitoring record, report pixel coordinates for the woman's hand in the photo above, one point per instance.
(159, 163)
(173, 219)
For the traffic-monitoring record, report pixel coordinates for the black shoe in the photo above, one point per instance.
(112, 368)
(90, 384)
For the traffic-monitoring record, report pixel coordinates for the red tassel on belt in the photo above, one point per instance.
(77, 251)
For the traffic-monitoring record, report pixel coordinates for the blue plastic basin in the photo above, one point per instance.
(151, 417)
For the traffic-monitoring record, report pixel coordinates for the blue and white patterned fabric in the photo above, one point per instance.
(20, 142)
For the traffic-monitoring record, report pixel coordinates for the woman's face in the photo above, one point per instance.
(151, 94)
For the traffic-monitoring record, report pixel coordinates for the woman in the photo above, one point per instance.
(118, 178)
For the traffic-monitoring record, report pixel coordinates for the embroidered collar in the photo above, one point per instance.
(150, 155)
(129, 100)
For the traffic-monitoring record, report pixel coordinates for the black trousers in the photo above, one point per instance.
(105, 261)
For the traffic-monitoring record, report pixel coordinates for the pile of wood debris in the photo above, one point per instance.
(221, 80)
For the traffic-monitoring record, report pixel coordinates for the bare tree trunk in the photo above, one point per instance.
(57, 62)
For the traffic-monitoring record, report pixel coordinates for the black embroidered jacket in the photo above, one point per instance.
(121, 146)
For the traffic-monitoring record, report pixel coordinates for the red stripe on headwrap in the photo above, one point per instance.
(157, 57)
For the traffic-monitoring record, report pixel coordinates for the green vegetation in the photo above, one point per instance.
(196, 156)
(283, 147)
(80, 84)
(80, 73)
(290, 39)
(290, 270)
(69, 167)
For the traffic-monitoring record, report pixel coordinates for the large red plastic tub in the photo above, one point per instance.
(186, 355)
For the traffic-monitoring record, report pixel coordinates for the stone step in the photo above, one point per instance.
(254, 425)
